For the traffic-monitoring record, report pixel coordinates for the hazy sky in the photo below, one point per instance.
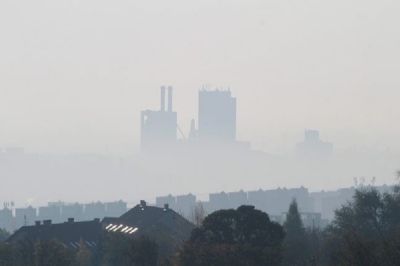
(74, 74)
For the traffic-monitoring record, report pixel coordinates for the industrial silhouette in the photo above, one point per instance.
(217, 116)
(216, 124)
(313, 147)
(158, 128)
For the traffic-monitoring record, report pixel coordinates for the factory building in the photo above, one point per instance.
(215, 128)
(217, 116)
(313, 147)
(159, 128)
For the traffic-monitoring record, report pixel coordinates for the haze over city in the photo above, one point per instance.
(75, 75)
(199, 133)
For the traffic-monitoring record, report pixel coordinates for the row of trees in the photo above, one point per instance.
(364, 232)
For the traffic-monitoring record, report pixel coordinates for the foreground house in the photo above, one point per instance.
(70, 233)
(163, 225)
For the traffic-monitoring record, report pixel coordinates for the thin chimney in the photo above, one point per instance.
(163, 99)
(169, 99)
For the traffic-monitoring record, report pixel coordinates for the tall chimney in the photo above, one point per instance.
(169, 99)
(163, 99)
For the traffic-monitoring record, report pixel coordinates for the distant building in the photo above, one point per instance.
(169, 200)
(273, 202)
(72, 211)
(95, 210)
(50, 212)
(6, 219)
(159, 128)
(313, 147)
(115, 209)
(25, 216)
(237, 199)
(185, 204)
(312, 220)
(218, 201)
(258, 199)
(333, 201)
(217, 116)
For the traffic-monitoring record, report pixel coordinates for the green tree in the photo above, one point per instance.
(366, 231)
(198, 214)
(6, 255)
(52, 253)
(3, 235)
(314, 246)
(295, 242)
(245, 236)
(83, 256)
(24, 252)
(120, 250)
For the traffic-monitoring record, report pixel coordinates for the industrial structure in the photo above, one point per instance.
(216, 124)
(313, 147)
(159, 128)
(217, 116)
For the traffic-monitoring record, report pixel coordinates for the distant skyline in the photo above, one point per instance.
(74, 75)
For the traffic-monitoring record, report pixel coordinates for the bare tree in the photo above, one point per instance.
(198, 214)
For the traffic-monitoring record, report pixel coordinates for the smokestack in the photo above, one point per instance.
(163, 99)
(192, 133)
(169, 99)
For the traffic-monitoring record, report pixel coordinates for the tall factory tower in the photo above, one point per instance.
(217, 117)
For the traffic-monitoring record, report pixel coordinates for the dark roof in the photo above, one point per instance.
(69, 233)
(149, 218)
(166, 227)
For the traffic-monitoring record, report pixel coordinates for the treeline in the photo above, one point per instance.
(365, 232)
